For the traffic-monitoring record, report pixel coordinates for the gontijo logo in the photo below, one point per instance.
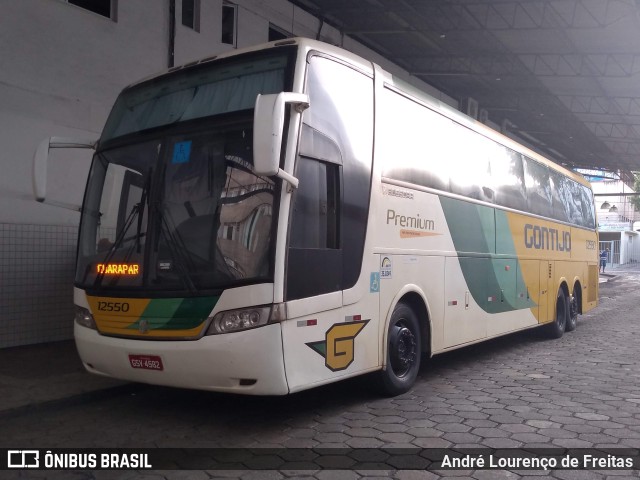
(543, 238)
(338, 347)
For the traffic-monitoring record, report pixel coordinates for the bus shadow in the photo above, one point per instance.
(486, 350)
(341, 395)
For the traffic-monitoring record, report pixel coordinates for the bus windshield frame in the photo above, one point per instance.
(204, 90)
(174, 208)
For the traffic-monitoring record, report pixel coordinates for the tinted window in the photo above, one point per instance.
(315, 205)
(330, 208)
(428, 149)
(190, 11)
(469, 164)
(538, 188)
(507, 174)
(419, 150)
(572, 202)
(315, 144)
(562, 200)
(101, 7)
(210, 89)
(588, 211)
(229, 13)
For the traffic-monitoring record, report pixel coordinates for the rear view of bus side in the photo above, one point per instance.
(476, 233)
(291, 215)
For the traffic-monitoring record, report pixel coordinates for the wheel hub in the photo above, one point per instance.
(403, 349)
(573, 306)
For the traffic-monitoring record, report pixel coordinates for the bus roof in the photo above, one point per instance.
(308, 44)
(479, 127)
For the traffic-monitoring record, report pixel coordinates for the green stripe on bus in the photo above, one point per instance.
(177, 313)
(477, 229)
(194, 311)
(466, 220)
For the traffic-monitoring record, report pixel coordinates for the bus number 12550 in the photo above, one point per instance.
(113, 307)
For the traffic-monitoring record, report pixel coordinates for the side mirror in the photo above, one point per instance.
(40, 161)
(268, 129)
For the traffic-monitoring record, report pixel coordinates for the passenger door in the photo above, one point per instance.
(327, 230)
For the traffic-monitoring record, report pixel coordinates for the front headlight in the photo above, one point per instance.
(237, 320)
(83, 317)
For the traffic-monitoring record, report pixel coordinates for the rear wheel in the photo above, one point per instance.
(572, 317)
(556, 328)
(403, 352)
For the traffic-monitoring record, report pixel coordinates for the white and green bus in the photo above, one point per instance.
(290, 215)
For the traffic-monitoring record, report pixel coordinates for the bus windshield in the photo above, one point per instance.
(173, 203)
(197, 92)
(182, 212)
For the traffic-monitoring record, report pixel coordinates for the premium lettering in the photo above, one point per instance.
(409, 222)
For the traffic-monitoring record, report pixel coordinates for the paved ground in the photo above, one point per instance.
(521, 391)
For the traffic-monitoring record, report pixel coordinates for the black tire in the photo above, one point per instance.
(556, 328)
(403, 352)
(572, 317)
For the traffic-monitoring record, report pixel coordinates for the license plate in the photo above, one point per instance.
(146, 362)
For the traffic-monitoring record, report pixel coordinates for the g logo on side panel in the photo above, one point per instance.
(338, 347)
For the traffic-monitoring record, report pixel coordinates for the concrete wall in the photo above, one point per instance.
(60, 71)
(630, 247)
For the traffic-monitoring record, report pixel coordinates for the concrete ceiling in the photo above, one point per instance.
(563, 75)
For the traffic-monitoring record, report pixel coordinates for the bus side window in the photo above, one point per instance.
(588, 212)
(562, 199)
(538, 188)
(420, 146)
(469, 159)
(507, 174)
(329, 217)
(314, 221)
(314, 263)
(582, 204)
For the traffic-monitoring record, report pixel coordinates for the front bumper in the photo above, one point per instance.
(249, 362)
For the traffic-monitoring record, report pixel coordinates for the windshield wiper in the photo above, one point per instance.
(118, 241)
(144, 198)
(136, 210)
(175, 246)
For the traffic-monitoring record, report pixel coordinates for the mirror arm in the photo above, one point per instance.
(40, 160)
(270, 111)
(300, 102)
(290, 179)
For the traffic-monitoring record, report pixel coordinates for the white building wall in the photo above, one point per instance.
(606, 191)
(60, 76)
(630, 248)
(62, 73)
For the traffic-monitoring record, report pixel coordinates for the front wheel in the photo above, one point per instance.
(403, 352)
(556, 328)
